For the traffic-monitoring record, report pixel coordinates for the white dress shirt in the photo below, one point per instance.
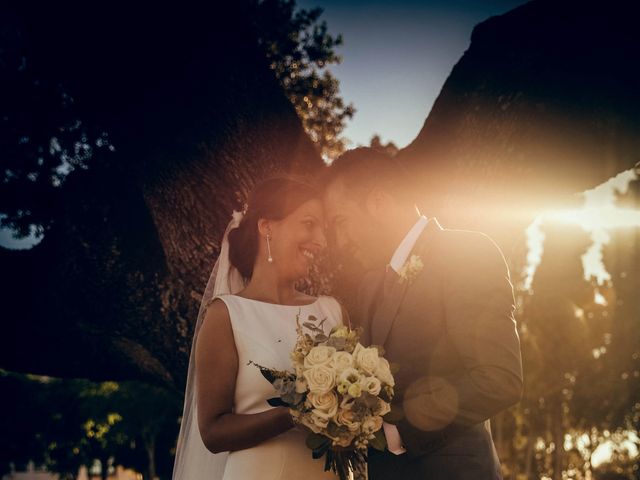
(399, 258)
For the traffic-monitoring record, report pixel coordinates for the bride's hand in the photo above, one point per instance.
(285, 417)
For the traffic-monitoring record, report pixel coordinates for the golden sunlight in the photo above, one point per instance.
(598, 215)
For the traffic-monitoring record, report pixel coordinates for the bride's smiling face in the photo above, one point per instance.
(296, 240)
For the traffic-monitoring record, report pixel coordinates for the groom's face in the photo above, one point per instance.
(351, 228)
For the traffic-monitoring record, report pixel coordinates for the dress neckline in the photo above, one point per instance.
(276, 304)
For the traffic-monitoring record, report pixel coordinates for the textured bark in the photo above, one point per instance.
(543, 104)
(196, 117)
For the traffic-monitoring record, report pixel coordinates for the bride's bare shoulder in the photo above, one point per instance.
(217, 313)
(215, 338)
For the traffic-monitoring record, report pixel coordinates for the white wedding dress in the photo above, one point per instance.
(265, 334)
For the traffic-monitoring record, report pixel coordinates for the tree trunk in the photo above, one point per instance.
(530, 114)
(104, 468)
(529, 457)
(150, 447)
(558, 441)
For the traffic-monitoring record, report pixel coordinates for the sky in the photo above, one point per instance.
(396, 57)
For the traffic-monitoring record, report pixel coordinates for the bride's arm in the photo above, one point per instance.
(216, 371)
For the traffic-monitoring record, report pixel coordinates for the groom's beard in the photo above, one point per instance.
(380, 246)
(372, 250)
(373, 256)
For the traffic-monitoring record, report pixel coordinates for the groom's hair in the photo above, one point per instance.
(363, 169)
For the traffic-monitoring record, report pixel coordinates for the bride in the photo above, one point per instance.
(248, 314)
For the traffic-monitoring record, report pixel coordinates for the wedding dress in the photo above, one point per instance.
(265, 334)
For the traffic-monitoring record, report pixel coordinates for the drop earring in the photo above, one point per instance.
(269, 258)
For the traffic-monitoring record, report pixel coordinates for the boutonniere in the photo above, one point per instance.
(411, 269)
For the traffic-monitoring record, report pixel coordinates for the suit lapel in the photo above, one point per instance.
(385, 314)
(370, 293)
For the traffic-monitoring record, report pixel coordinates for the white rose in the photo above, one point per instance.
(320, 421)
(342, 361)
(383, 372)
(320, 355)
(313, 423)
(320, 379)
(325, 405)
(348, 419)
(371, 385)
(371, 424)
(382, 409)
(366, 358)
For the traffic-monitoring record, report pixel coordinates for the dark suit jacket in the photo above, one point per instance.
(452, 333)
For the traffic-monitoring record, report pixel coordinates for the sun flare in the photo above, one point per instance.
(598, 216)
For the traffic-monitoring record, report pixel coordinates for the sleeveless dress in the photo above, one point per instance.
(265, 334)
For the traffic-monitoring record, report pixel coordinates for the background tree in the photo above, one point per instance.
(300, 48)
(64, 425)
(581, 361)
(389, 147)
(42, 137)
(22, 416)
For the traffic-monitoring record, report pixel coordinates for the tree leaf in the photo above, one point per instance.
(319, 452)
(311, 326)
(268, 374)
(333, 429)
(315, 441)
(379, 442)
(385, 395)
(395, 415)
(277, 402)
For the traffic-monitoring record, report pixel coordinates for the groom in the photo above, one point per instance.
(441, 304)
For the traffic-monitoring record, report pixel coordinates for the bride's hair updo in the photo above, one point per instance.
(272, 199)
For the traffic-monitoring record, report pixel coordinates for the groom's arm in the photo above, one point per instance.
(478, 313)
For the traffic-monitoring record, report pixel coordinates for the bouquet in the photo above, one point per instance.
(339, 391)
